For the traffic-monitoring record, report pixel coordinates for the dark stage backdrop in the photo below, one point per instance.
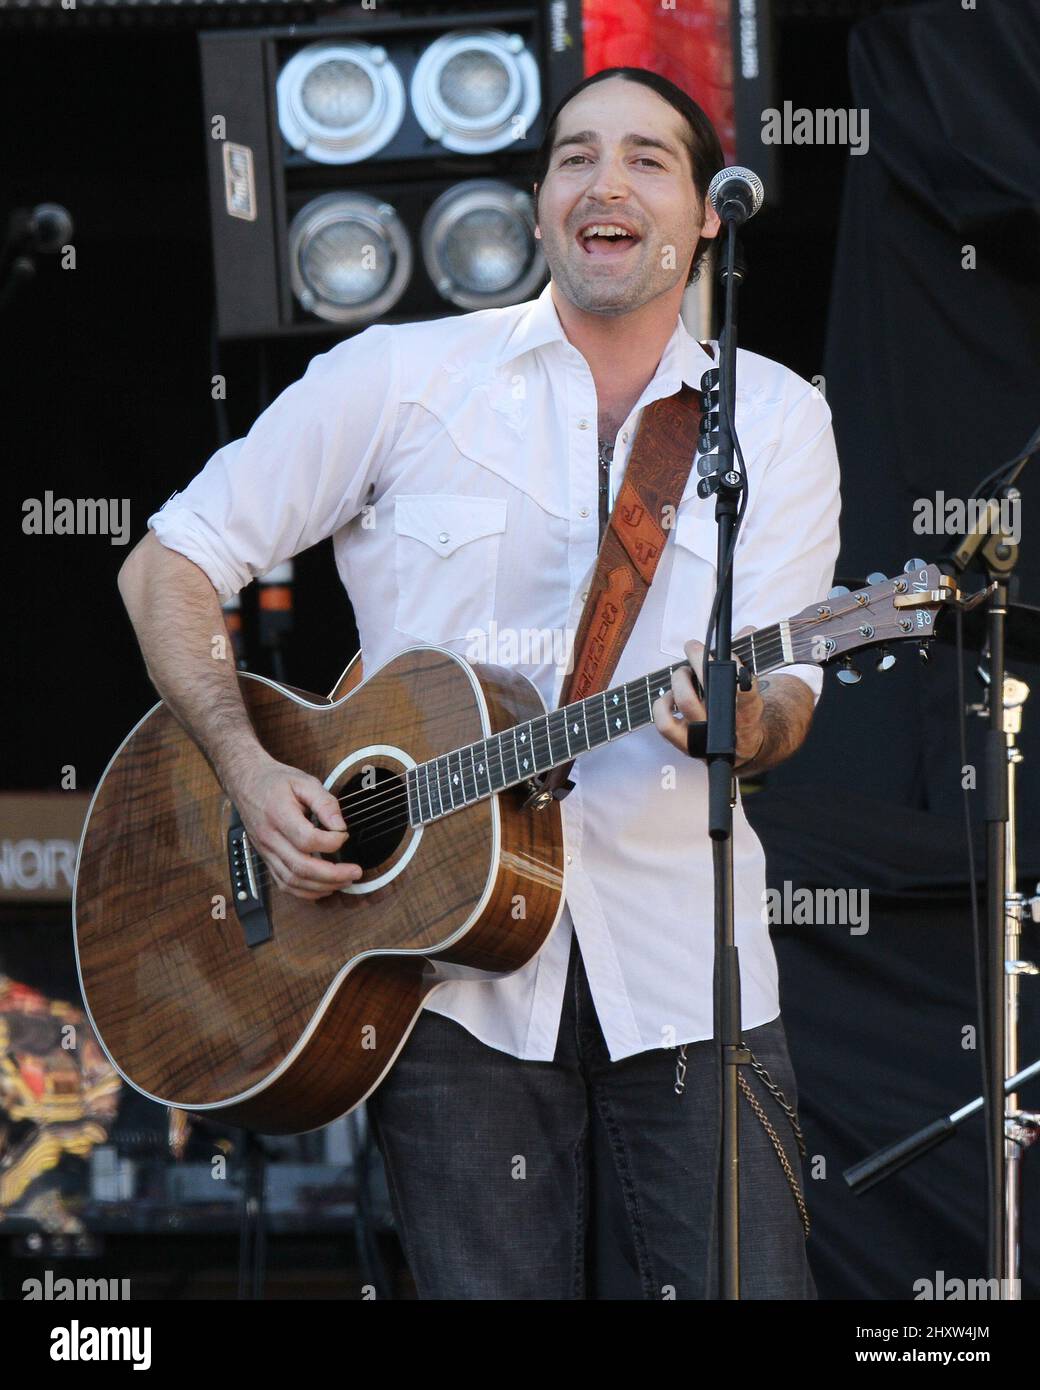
(933, 376)
(931, 373)
(879, 1026)
(933, 370)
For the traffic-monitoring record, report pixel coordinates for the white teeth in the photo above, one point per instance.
(605, 229)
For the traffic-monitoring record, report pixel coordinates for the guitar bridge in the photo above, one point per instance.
(247, 892)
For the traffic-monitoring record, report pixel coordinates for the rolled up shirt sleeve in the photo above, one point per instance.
(301, 472)
(790, 547)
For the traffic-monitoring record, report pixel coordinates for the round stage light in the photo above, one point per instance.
(479, 246)
(350, 257)
(339, 102)
(476, 90)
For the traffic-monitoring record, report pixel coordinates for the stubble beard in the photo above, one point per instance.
(610, 296)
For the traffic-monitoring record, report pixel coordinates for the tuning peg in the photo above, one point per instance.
(847, 673)
(912, 565)
(885, 660)
(877, 578)
(838, 591)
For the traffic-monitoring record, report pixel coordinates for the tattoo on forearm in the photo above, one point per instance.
(786, 715)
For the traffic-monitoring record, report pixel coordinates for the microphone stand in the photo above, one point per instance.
(721, 705)
(869, 1172)
(996, 554)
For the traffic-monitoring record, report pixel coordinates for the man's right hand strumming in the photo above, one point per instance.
(176, 616)
(276, 803)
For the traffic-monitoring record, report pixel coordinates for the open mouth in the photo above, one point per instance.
(606, 240)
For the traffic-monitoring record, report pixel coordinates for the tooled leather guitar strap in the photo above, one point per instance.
(655, 478)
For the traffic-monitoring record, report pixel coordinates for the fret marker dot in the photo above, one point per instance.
(523, 738)
(480, 767)
(616, 699)
(617, 723)
(525, 762)
(574, 726)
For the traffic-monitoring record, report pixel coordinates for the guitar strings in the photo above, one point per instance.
(384, 806)
(773, 648)
(493, 744)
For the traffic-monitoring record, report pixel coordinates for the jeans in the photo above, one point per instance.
(581, 1177)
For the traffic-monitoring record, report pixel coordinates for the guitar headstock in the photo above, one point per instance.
(884, 611)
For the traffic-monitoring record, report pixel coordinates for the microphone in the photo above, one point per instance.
(42, 230)
(736, 194)
(50, 227)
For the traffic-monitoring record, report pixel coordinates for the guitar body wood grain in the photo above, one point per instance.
(289, 1034)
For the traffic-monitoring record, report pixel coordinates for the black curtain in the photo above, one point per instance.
(879, 1015)
(933, 375)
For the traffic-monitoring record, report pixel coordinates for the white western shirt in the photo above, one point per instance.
(455, 465)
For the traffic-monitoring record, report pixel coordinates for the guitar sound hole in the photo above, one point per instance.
(375, 807)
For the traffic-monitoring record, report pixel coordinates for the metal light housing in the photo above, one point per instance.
(339, 103)
(350, 257)
(476, 90)
(479, 247)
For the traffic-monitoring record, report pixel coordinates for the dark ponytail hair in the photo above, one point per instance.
(700, 138)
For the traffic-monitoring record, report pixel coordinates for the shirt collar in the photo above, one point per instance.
(683, 360)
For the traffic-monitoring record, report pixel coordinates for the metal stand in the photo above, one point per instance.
(1020, 1127)
(252, 1239)
(721, 479)
(991, 545)
(862, 1176)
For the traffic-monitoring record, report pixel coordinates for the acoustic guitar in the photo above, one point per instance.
(214, 991)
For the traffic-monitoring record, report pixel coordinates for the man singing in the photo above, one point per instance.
(552, 1134)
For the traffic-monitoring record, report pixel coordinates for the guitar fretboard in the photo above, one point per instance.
(507, 759)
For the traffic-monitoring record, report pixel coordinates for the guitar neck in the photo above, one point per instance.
(507, 759)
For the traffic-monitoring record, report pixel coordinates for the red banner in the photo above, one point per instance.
(689, 44)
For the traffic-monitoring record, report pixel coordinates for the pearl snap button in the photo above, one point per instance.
(624, 436)
(584, 595)
(568, 859)
(584, 511)
(444, 538)
(583, 424)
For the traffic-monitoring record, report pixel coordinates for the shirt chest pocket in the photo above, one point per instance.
(691, 586)
(446, 559)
